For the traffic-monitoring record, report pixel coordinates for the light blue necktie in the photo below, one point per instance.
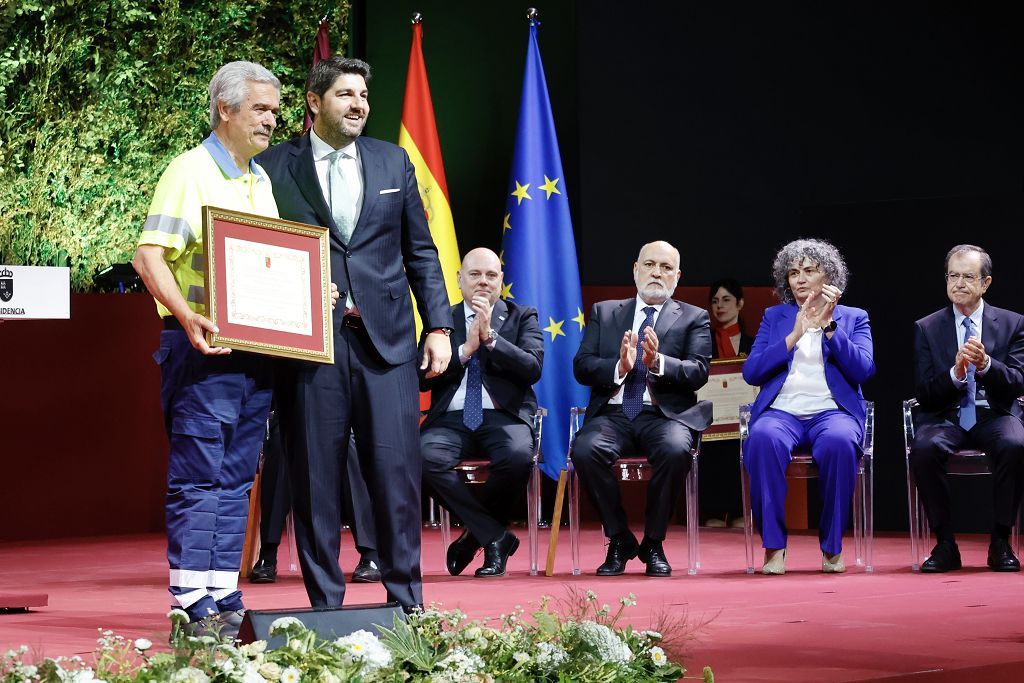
(636, 381)
(968, 410)
(343, 205)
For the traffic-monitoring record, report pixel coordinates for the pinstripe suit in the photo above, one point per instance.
(372, 388)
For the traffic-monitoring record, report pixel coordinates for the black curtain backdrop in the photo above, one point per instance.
(892, 129)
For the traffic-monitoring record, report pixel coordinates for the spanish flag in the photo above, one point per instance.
(418, 137)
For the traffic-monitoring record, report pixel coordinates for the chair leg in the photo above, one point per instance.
(914, 512)
(692, 519)
(293, 552)
(574, 519)
(858, 519)
(533, 516)
(446, 533)
(748, 516)
(869, 514)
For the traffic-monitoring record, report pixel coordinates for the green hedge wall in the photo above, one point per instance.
(99, 95)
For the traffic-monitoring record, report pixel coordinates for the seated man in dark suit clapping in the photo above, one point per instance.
(484, 406)
(644, 359)
(968, 372)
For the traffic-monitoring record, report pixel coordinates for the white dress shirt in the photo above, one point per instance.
(321, 164)
(961, 337)
(805, 392)
(459, 399)
(638, 319)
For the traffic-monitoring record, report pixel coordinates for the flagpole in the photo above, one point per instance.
(417, 18)
(532, 14)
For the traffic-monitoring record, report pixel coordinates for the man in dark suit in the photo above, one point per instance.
(968, 372)
(365, 191)
(644, 359)
(484, 404)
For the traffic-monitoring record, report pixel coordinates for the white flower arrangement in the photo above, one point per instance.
(365, 647)
(282, 624)
(579, 642)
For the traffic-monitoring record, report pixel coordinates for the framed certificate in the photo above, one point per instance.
(268, 285)
(727, 392)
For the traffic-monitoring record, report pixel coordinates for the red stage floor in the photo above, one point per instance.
(804, 626)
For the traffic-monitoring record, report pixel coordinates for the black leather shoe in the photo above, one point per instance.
(620, 551)
(945, 557)
(496, 554)
(1001, 557)
(263, 572)
(461, 552)
(653, 554)
(366, 572)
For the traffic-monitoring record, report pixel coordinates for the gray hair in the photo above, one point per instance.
(986, 260)
(230, 85)
(819, 252)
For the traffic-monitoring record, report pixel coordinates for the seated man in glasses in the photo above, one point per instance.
(968, 373)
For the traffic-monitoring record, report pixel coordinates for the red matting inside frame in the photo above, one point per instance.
(224, 229)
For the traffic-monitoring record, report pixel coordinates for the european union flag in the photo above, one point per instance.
(539, 256)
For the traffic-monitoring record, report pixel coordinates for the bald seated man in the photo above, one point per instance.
(644, 358)
(483, 406)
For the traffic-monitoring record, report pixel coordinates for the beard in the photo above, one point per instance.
(340, 131)
(655, 293)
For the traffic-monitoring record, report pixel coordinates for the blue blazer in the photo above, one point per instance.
(390, 250)
(847, 355)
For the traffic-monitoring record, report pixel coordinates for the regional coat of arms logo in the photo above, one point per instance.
(6, 284)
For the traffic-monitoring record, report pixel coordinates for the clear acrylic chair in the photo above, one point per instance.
(475, 471)
(631, 469)
(966, 462)
(801, 466)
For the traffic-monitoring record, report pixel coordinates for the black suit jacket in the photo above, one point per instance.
(935, 347)
(684, 339)
(508, 371)
(390, 250)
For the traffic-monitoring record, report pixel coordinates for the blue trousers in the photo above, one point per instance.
(215, 413)
(834, 438)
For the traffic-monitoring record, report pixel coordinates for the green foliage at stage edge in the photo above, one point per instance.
(580, 642)
(99, 95)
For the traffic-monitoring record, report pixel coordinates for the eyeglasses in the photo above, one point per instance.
(969, 278)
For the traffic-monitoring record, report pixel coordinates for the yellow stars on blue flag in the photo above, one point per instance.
(554, 328)
(579, 319)
(549, 186)
(506, 290)
(520, 192)
(505, 224)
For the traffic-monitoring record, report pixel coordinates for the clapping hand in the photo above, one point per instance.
(627, 352)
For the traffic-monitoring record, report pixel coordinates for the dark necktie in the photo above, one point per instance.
(968, 410)
(636, 380)
(473, 406)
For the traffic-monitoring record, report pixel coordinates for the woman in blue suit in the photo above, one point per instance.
(810, 357)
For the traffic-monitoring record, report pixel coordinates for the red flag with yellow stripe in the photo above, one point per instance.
(418, 137)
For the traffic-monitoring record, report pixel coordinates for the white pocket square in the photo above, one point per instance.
(389, 191)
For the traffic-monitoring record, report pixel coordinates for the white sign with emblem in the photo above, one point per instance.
(35, 292)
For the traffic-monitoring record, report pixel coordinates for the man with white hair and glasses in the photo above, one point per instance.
(968, 373)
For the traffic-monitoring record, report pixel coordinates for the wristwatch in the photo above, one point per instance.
(446, 331)
(831, 327)
(492, 336)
